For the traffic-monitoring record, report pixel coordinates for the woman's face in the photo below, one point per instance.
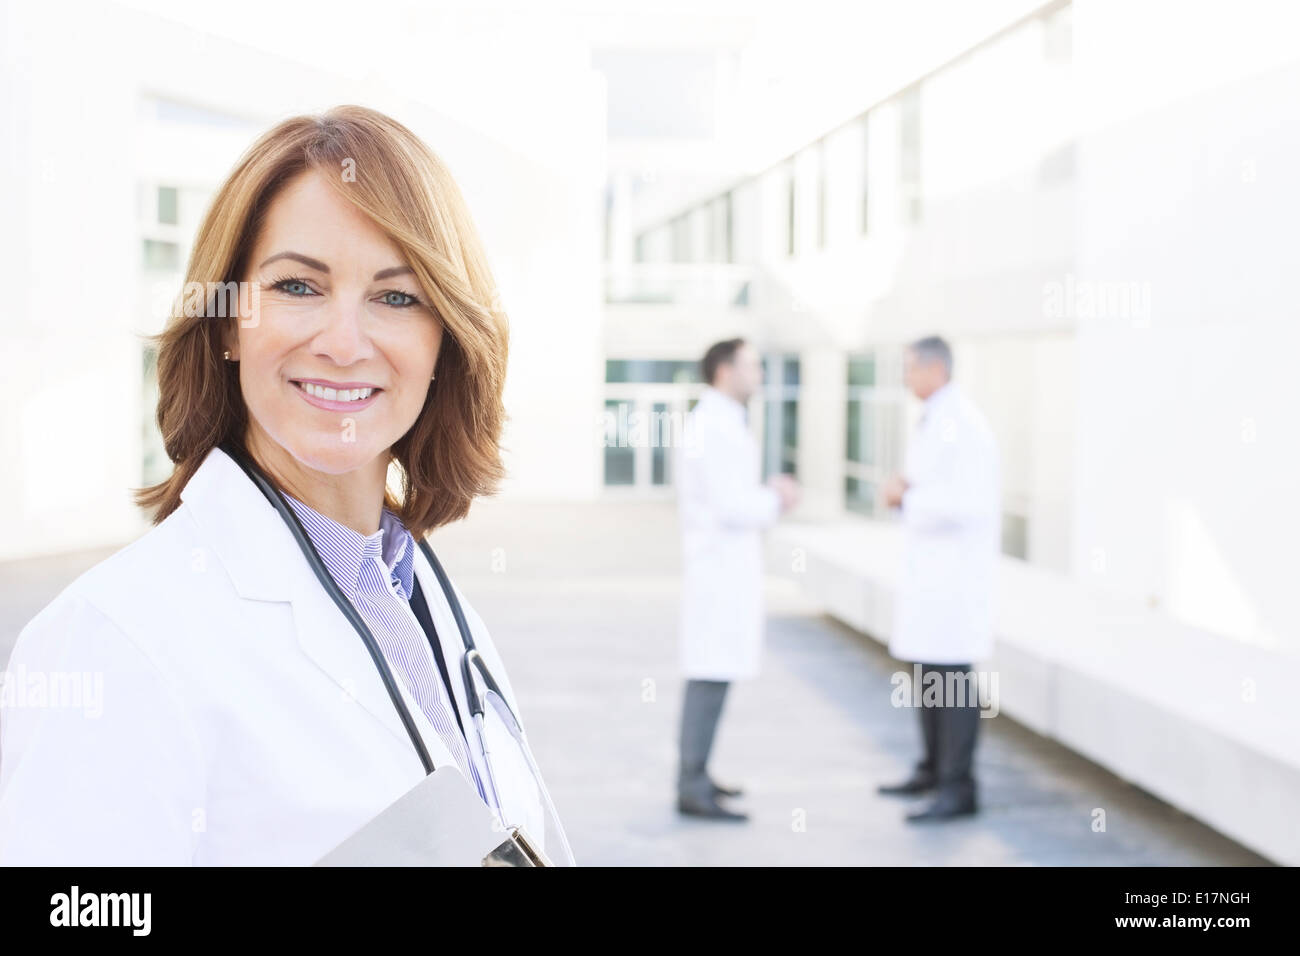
(337, 350)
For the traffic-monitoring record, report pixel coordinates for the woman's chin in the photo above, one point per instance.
(333, 457)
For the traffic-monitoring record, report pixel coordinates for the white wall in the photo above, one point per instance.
(69, 260)
(1187, 457)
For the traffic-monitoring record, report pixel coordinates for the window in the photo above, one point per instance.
(620, 459)
(660, 460)
(168, 205)
(1015, 535)
(641, 371)
(780, 415)
(860, 441)
(644, 417)
(163, 256)
(873, 419)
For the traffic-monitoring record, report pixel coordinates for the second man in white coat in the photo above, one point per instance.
(723, 507)
(950, 500)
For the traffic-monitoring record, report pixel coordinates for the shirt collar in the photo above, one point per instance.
(345, 551)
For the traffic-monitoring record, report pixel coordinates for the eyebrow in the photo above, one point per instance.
(319, 266)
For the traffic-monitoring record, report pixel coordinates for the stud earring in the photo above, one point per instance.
(227, 355)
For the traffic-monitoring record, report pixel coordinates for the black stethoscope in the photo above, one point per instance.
(470, 661)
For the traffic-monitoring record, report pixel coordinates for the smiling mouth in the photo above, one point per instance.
(336, 394)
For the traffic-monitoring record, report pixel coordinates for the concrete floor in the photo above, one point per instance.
(582, 600)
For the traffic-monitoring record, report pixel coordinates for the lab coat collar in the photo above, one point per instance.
(264, 562)
(941, 395)
(226, 505)
(724, 403)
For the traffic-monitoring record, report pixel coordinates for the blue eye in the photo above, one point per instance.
(293, 287)
(400, 300)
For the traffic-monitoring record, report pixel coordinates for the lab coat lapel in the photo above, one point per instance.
(326, 636)
(265, 563)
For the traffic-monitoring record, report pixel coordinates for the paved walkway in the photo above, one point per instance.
(582, 599)
(584, 604)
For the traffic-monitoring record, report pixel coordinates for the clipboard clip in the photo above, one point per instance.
(518, 850)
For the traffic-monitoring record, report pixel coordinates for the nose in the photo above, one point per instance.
(344, 339)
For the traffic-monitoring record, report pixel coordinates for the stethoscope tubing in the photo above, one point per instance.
(331, 587)
(471, 660)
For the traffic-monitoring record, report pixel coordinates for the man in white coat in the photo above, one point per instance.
(950, 499)
(723, 507)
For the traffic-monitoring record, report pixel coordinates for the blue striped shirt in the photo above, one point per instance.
(377, 574)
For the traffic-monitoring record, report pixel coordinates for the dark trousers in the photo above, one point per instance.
(949, 727)
(701, 708)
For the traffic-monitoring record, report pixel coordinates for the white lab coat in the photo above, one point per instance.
(243, 721)
(951, 517)
(723, 508)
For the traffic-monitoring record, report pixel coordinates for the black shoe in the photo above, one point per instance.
(944, 807)
(710, 809)
(917, 783)
(720, 791)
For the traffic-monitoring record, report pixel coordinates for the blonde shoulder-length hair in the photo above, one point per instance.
(452, 452)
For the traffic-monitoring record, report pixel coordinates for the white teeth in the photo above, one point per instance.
(336, 395)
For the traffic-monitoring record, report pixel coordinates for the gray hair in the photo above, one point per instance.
(933, 348)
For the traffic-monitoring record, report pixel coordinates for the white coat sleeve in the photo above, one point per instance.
(108, 775)
(958, 489)
(730, 494)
